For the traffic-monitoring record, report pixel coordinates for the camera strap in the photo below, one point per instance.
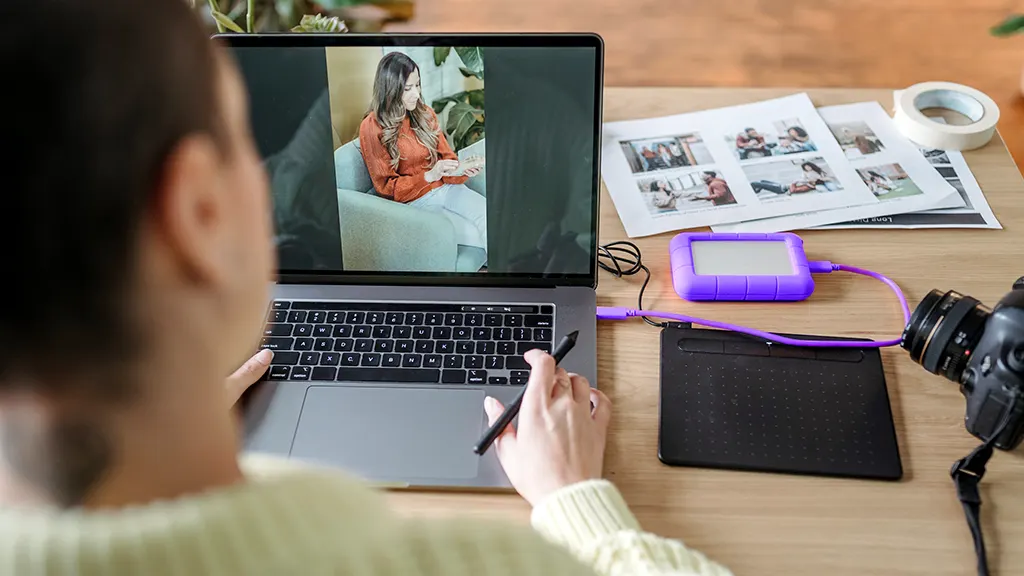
(967, 474)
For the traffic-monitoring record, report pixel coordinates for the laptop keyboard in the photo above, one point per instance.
(411, 343)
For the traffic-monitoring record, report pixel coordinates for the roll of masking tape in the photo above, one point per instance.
(974, 104)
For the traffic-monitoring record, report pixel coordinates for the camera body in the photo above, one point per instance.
(959, 338)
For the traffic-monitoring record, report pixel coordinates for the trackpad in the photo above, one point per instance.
(391, 434)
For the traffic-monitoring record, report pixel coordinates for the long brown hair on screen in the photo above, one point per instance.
(393, 71)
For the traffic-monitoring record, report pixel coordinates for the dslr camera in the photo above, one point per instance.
(982, 349)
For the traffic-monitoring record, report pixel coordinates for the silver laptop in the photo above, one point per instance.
(403, 300)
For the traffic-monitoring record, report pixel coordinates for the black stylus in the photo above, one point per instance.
(512, 410)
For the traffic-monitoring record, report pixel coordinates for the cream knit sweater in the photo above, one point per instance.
(306, 521)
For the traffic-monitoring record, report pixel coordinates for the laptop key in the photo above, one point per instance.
(462, 333)
(402, 332)
(403, 346)
(513, 320)
(475, 362)
(539, 321)
(324, 373)
(481, 333)
(344, 344)
(499, 380)
(506, 348)
(382, 331)
(329, 359)
(434, 319)
(414, 318)
(323, 344)
(341, 331)
(300, 373)
(412, 360)
(336, 318)
(350, 359)
(388, 374)
(477, 376)
(542, 334)
(370, 359)
(453, 319)
(421, 332)
(310, 358)
(492, 320)
(474, 319)
(444, 347)
(518, 380)
(432, 361)
(375, 318)
(485, 348)
(278, 316)
(316, 317)
(279, 372)
(503, 334)
(281, 304)
(522, 334)
(424, 346)
(364, 345)
(442, 333)
(384, 346)
(453, 377)
(289, 358)
(522, 373)
(524, 347)
(303, 343)
(452, 361)
(516, 363)
(494, 363)
(362, 331)
(277, 343)
(464, 347)
(297, 316)
(391, 360)
(322, 331)
(395, 318)
(303, 330)
(355, 318)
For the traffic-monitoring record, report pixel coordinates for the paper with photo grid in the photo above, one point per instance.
(899, 177)
(952, 167)
(707, 168)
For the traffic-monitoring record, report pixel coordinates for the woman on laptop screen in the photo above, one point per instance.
(408, 155)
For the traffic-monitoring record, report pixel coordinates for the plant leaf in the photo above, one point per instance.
(473, 58)
(439, 104)
(226, 22)
(1011, 25)
(320, 24)
(461, 119)
(336, 4)
(475, 98)
(471, 74)
(441, 54)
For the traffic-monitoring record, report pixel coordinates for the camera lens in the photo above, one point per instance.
(943, 332)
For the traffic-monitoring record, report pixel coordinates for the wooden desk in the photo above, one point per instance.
(780, 524)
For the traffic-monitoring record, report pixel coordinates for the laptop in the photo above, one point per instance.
(402, 300)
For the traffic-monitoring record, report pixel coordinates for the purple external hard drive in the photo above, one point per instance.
(725, 266)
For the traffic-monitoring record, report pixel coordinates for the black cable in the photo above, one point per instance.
(625, 253)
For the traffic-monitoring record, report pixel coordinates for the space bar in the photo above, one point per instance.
(389, 374)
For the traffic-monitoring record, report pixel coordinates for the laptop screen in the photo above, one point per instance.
(469, 161)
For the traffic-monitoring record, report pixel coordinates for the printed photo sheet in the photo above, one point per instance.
(900, 179)
(749, 162)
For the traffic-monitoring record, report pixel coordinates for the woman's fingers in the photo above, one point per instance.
(580, 389)
(602, 412)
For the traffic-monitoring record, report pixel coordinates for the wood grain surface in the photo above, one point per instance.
(780, 524)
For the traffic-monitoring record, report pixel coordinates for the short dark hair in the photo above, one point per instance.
(105, 90)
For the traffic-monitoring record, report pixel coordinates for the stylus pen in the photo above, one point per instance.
(512, 410)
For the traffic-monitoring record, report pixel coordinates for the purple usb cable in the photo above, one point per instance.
(620, 313)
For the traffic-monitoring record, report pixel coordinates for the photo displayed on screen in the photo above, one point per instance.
(389, 159)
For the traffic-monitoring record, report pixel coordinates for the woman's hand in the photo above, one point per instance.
(560, 440)
(247, 375)
(441, 168)
(473, 172)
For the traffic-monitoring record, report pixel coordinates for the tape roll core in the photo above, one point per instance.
(924, 131)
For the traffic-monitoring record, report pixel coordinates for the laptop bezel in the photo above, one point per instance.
(540, 40)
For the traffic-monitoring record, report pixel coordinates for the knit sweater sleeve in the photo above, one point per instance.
(592, 520)
(386, 180)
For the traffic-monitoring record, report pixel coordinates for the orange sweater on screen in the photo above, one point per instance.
(409, 182)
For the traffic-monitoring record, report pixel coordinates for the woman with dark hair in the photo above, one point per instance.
(408, 156)
(814, 176)
(878, 184)
(800, 136)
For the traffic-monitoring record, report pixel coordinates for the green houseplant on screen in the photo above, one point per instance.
(314, 16)
(1012, 25)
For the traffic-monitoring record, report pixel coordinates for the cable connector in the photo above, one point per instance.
(822, 267)
(614, 313)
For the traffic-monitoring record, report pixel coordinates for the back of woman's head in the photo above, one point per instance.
(103, 96)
